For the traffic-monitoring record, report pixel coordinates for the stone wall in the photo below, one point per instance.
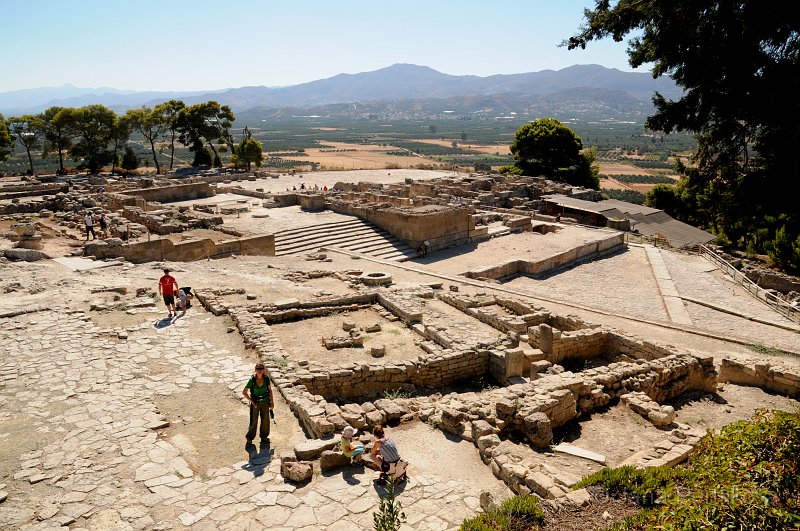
(526, 320)
(586, 252)
(172, 192)
(312, 201)
(772, 376)
(593, 341)
(558, 346)
(167, 221)
(186, 251)
(440, 226)
(8, 192)
(532, 408)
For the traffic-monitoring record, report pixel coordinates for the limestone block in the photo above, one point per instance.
(451, 421)
(375, 418)
(330, 460)
(514, 359)
(338, 423)
(513, 473)
(579, 498)
(391, 408)
(348, 325)
(580, 452)
(663, 416)
(539, 430)
(481, 428)
(488, 441)
(285, 304)
(331, 409)
(377, 351)
(297, 472)
(566, 479)
(505, 408)
(313, 449)
(545, 336)
(539, 483)
(27, 255)
(322, 427)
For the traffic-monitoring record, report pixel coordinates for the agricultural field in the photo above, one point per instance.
(320, 143)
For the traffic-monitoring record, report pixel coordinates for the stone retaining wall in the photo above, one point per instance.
(588, 343)
(776, 377)
(531, 408)
(186, 251)
(584, 253)
(440, 226)
(527, 315)
(172, 192)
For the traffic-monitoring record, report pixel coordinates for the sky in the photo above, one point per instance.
(181, 45)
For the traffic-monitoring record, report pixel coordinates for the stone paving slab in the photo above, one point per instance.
(76, 263)
(108, 469)
(669, 293)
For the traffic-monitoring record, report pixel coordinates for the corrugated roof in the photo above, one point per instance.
(632, 208)
(648, 221)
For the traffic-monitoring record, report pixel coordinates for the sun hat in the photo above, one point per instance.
(349, 432)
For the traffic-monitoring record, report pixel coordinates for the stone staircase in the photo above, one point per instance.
(353, 235)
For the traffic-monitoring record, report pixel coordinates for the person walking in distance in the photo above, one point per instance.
(258, 393)
(88, 220)
(103, 225)
(167, 287)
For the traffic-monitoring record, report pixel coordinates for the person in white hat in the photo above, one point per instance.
(349, 447)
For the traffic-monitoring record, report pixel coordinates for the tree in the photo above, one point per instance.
(120, 134)
(250, 151)
(664, 197)
(6, 140)
(56, 124)
(432, 129)
(739, 66)
(94, 127)
(130, 161)
(548, 147)
(26, 130)
(202, 124)
(151, 124)
(169, 112)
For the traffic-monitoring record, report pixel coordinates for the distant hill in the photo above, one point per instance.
(395, 83)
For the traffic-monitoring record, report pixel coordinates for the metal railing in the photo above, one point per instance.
(774, 302)
(664, 243)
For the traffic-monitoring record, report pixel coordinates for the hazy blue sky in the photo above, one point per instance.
(200, 44)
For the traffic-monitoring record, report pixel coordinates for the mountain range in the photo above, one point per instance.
(394, 84)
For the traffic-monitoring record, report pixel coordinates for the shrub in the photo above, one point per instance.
(510, 170)
(643, 485)
(390, 515)
(747, 477)
(518, 512)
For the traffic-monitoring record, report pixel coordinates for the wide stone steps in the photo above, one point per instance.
(352, 235)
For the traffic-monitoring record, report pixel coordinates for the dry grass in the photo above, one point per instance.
(360, 157)
(489, 149)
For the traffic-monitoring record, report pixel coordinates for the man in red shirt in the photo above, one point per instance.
(167, 287)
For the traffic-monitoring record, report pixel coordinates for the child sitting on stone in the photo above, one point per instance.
(184, 299)
(349, 447)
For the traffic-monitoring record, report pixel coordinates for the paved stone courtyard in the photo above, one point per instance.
(94, 430)
(80, 400)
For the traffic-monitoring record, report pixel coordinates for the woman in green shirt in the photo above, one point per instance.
(259, 393)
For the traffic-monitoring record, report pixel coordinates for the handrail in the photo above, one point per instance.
(776, 303)
(657, 241)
